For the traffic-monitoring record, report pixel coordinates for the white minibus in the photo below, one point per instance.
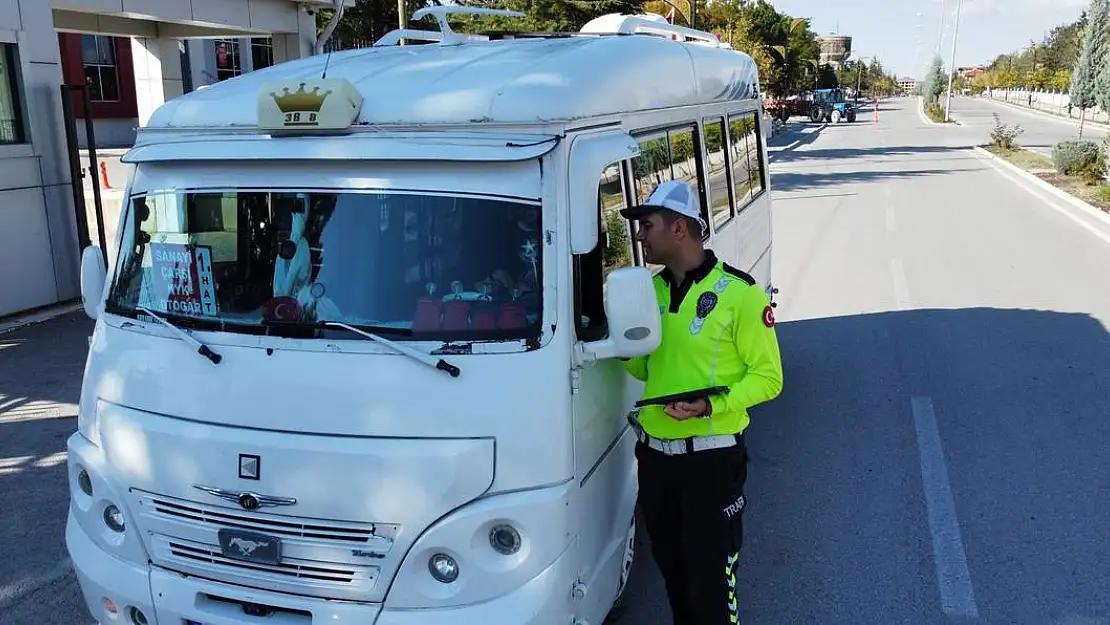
(355, 357)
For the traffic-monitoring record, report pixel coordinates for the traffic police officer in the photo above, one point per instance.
(718, 331)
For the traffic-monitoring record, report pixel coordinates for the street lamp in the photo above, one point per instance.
(952, 63)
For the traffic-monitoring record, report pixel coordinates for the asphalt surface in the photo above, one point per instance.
(938, 452)
(1042, 130)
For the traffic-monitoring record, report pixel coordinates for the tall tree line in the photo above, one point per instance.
(1046, 64)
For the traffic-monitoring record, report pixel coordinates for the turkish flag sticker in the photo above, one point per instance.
(768, 317)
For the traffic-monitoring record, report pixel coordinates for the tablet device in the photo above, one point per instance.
(701, 393)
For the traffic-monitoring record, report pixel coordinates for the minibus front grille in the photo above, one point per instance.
(290, 568)
(375, 536)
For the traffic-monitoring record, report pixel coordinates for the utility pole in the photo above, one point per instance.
(940, 33)
(952, 63)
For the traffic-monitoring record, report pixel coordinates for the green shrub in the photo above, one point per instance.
(935, 112)
(1003, 136)
(1082, 159)
(1104, 194)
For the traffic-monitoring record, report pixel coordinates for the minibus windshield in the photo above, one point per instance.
(440, 266)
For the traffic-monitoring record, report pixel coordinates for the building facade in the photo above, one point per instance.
(106, 65)
(131, 56)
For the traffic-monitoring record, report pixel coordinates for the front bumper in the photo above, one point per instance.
(168, 598)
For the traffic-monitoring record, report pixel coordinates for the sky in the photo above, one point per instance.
(904, 33)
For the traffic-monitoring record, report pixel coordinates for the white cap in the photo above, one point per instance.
(673, 195)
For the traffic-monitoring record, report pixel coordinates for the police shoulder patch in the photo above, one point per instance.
(768, 316)
(736, 273)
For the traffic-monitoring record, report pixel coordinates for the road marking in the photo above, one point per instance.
(901, 286)
(1050, 201)
(956, 594)
(890, 219)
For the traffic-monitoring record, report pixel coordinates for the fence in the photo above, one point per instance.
(1056, 102)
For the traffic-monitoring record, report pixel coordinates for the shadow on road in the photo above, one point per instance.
(40, 381)
(800, 181)
(869, 152)
(837, 527)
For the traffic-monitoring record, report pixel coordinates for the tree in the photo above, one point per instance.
(368, 20)
(1090, 72)
(936, 82)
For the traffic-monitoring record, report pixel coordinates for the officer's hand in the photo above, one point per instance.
(686, 409)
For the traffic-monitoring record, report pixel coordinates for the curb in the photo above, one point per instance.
(20, 321)
(1046, 114)
(1047, 188)
(925, 118)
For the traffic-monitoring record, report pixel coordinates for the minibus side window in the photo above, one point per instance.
(672, 154)
(747, 166)
(613, 251)
(687, 164)
(755, 156)
(718, 177)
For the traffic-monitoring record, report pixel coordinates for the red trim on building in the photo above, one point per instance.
(73, 73)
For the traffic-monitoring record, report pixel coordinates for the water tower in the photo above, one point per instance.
(835, 49)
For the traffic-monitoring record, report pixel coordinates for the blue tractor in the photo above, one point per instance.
(829, 105)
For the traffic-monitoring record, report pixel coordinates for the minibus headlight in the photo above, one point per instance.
(84, 482)
(505, 540)
(443, 568)
(113, 518)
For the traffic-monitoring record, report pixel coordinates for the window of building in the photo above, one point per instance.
(12, 127)
(98, 56)
(613, 251)
(717, 175)
(228, 63)
(262, 52)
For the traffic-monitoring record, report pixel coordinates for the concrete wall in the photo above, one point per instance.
(38, 241)
(39, 255)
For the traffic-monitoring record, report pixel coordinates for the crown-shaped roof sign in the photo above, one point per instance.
(306, 105)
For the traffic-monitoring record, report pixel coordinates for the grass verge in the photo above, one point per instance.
(935, 113)
(1041, 166)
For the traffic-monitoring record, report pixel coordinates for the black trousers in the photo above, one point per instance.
(692, 507)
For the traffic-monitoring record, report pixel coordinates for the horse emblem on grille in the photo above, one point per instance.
(245, 547)
(249, 546)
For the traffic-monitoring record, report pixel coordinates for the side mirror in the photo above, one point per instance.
(635, 324)
(93, 275)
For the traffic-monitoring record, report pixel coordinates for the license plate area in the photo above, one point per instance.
(234, 608)
(250, 547)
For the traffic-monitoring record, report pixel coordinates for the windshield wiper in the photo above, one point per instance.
(374, 332)
(431, 361)
(202, 349)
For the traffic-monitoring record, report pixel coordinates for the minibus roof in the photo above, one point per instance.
(527, 80)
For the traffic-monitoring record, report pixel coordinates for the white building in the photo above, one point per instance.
(132, 55)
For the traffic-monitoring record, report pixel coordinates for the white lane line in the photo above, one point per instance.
(1050, 201)
(901, 286)
(956, 594)
(890, 219)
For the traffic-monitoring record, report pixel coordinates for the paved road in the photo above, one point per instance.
(1041, 130)
(938, 451)
(40, 380)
